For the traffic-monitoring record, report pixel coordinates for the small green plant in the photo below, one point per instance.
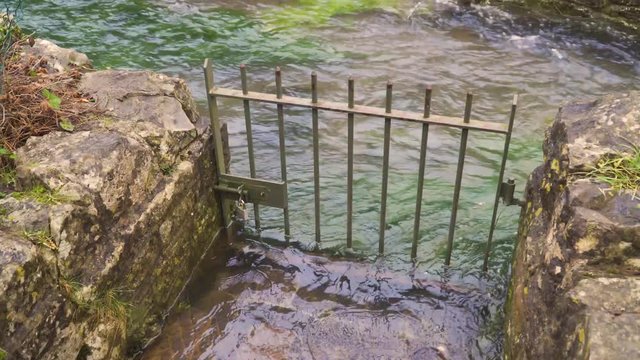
(40, 194)
(106, 308)
(167, 168)
(8, 176)
(101, 307)
(7, 171)
(66, 125)
(53, 100)
(41, 238)
(3, 354)
(620, 171)
(6, 153)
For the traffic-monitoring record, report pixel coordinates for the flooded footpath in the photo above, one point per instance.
(262, 302)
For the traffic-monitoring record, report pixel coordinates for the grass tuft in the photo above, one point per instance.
(41, 238)
(620, 171)
(40, 194)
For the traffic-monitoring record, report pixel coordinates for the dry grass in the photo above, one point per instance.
(36, 100)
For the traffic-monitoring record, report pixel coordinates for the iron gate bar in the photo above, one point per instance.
(505, 155)
(316, 154)
(274, 194)
(217, 135)
(247, 120)
(350, 121)
(283, 155)
(362, 110)
(385, 169)
(458, 184)
(421, 168)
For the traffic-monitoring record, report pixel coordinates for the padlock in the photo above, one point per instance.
(241, 214)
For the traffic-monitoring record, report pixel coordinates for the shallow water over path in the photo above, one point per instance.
(281, 304)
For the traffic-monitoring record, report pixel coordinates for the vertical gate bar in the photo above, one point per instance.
(385, 170)
(213, 114)
(316, 153)
(350, 140)
(505, 155)
(216, 126)
(456, 191)
(247, 120)
(283, 155)
(423, 157)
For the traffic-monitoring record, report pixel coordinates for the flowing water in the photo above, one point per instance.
(491, 52)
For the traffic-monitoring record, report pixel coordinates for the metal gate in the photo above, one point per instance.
(274, 194)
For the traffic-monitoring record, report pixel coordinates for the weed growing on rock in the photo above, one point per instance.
(40, 194)
(620, 171)
(41, 238)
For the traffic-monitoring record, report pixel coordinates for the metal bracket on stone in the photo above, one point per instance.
(255, 191)
(506, 193)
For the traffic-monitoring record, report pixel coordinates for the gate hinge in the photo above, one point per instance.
(269, 193)
(506, 193)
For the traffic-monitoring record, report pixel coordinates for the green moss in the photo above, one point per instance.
(555, 165)
(581, 335)
(40, 194)
(20, 273)
(538, 212)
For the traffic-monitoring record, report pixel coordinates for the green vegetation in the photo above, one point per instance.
(102, 307)
(107, 308)
(40, 194)
(167, 168)
(620, 171)
(7, 172)
(53, 100)
(41, 238)
(3, 354)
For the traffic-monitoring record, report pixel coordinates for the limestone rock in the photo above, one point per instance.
(125, 210)
(574, 287)
(58, 58)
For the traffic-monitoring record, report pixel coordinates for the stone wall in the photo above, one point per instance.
(109, 220)
(575, 287)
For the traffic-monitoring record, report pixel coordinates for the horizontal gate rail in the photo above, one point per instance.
(362, 110)
(272, 193)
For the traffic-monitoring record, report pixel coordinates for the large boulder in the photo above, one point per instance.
(575, 287)
(108, 223)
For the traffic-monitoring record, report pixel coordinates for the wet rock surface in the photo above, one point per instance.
(574, 288)
(272, 303)
(108, 222)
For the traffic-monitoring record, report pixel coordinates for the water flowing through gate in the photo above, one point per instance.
(238, 190)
